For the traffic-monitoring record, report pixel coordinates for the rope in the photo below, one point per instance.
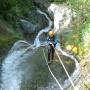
(61, 88)
(65, 69)
(86, 86)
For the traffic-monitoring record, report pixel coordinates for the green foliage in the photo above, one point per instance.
(7, 38)
(11, 9)
(5, 43)
(82, 28)
(57, 1)
(85, 35)
(68, 37)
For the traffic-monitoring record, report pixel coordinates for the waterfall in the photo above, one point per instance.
(37, 41)
(12, 73)
(13, 68)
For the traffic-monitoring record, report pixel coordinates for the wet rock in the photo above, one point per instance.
(43, 4)
(62, 15)
(27, 27)
(38, 19)
(33, 23)
(43, 37)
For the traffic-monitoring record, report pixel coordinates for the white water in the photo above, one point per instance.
(12, 72)
(76, 72)
(37, 41)
(62, 17)
(11, 77)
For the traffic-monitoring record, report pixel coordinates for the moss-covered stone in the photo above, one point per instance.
(6, 40)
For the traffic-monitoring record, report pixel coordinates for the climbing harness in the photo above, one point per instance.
(61, 88)
(65, 69)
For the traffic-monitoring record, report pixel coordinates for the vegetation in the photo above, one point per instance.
(11, 9)
(6, 39)
(57, 1)
(81, 25)
(80, 38)
(81, 28)
(10, 12)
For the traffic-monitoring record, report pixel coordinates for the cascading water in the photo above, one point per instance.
(17, 64)
(37, 41)
(12, 72)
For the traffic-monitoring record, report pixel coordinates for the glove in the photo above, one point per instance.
(51, 44)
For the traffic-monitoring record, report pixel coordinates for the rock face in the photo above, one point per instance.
(34, 24)
(62, 15)
(43, 4)
(29, 70)
(27, 27)
(38, 19)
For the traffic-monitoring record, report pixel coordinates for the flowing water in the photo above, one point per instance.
(21, 63)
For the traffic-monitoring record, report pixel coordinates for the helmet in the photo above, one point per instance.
(51, 33)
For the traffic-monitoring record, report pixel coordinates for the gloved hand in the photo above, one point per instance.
(51, 44)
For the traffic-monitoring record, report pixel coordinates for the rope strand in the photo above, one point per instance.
(65, 69)
(61, 88)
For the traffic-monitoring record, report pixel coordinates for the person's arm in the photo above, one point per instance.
(56, 41)
(48, 41)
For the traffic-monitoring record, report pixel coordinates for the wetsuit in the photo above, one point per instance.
(51, 47)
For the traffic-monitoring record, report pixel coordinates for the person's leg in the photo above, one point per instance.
(49, 53)
(53, 50)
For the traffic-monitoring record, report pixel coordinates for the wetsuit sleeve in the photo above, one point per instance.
(48, 41)
(56, 41)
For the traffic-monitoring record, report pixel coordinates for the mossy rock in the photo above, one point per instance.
(6, 40)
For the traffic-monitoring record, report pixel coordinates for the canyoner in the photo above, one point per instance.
(52, 41)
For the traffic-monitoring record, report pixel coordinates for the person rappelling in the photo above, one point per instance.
(52, 41)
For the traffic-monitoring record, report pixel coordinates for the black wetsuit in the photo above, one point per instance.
(51, 47)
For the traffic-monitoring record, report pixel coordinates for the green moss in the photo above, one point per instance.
(11, 10)
(68, 37)
(7, 39)
(40, 77)
(58, 1)
(5, 43)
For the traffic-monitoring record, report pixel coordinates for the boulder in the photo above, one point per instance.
(33, 23)
(38, 19)
(27, 27)
(43, 4)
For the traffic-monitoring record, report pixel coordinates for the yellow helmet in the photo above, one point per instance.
(51, 33)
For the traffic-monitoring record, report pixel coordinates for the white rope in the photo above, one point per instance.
(65, 69)
(61, 88)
